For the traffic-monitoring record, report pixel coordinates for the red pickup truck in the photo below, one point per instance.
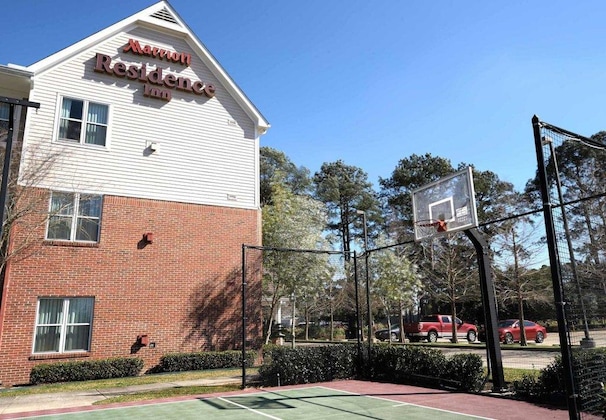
(432, 327)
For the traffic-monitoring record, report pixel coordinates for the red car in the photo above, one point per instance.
(510, 331)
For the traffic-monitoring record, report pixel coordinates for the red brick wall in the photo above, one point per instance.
(183, 290)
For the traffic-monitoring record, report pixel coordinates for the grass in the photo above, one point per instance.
(515, 374)
(124, 382)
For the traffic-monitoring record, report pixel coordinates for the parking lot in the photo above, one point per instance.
(514, 357)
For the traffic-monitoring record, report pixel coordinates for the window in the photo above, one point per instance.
(63, 325)
(4, 113)
(4, 117)
(83, 122)
(74, 217)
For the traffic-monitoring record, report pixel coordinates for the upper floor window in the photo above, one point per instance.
(74, 217)
(4, 116)
(63, 325)
(83, 122)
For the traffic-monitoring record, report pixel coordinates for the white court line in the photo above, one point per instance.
(415, 405)
(248, 408)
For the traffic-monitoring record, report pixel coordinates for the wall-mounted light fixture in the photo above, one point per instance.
(143, 339)
(152, 146)
(148, 237)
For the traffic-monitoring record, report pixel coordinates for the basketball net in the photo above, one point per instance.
(439, 225)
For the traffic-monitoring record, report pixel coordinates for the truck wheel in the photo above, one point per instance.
(471, 336)
(432, 337)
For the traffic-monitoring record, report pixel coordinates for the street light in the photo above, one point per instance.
(368, 310)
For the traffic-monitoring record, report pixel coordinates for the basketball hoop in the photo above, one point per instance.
(429, 227)
(444, 206)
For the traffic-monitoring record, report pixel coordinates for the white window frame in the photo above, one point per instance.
(63, 326)
(75, 217)
(84, 122)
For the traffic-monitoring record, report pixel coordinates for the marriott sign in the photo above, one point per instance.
(157, 82)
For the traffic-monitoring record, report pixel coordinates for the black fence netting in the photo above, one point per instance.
(307, 294)
(572, 179)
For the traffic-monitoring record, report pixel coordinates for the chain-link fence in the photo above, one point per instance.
(307, 294)
(572, 182)
(367, 297)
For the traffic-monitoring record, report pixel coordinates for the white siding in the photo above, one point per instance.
(208, 146)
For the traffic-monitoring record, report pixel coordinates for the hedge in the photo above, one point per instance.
(426, 366)
(288, 366)
(85, 370)
(398, 364)
(177, 362)
(589, 366)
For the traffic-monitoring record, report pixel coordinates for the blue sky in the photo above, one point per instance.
(375, 82)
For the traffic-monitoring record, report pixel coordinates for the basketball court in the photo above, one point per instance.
(331, 400)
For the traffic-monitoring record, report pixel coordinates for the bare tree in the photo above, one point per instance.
(516, 245)
(26, 204)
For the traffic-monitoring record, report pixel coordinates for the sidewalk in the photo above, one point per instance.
(59, 400)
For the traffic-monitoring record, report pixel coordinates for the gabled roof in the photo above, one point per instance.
(160, 17)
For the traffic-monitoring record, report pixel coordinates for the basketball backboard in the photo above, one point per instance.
(445, 206)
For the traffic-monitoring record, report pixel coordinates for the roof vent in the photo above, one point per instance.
(165, 15)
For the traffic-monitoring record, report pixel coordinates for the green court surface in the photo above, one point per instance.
(309, 403)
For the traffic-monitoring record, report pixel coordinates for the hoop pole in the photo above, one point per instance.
(490, 310)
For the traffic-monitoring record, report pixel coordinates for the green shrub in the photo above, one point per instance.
(315, 333)
(398, 364)
(589, 366)
(426, 366)
(465, 369)
(287, 366)
(320, 333)
(178, 362)
(86, 370)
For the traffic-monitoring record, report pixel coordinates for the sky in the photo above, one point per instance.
(374, 82)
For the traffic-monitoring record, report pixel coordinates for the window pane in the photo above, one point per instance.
(80, 311)
(47, 339)
(88, 230)
(59, 227)
(76, 337)
(4, 111)
(62, 203)
(50, 311)
(72, 108)
(90, 205)
(95, 134)
(70, 130)
(97, 113)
